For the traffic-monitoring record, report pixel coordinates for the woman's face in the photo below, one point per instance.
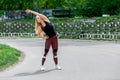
(38, 19)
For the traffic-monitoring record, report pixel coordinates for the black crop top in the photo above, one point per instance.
(49, 29)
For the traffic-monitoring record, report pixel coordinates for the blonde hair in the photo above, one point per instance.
(38, 29)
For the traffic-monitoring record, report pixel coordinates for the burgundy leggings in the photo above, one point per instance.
(54, 43)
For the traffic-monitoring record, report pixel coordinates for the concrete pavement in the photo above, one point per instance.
(79, 59)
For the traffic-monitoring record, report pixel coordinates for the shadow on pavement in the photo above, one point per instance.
(35, 73)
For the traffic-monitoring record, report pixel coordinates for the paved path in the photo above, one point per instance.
(80, 60)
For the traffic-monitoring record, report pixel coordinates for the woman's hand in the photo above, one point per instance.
(27, 11)
(43, 37)
(46, 37)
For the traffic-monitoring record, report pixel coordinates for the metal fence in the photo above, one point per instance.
(16, 35)
(100, 36)
(81, 36)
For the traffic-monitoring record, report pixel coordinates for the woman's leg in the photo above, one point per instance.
(55, 49)
(47, 47)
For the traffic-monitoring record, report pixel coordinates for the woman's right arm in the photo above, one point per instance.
(30, 11)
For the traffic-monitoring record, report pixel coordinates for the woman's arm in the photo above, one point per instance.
(36, 13)
(43, 36)
(30, 11)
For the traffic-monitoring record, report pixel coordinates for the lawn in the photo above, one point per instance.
(8, 56)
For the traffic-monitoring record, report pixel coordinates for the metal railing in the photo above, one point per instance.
(100, 36)
(81, 36)
(15, 35)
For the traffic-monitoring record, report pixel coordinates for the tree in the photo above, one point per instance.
(98, 7)
(82, 7)
(111, 7)
(13, 5)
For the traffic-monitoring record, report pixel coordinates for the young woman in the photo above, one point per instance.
(45, 30)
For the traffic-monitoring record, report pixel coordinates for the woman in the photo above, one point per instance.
(45, 30)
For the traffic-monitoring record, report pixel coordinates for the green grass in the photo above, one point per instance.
(8, 56)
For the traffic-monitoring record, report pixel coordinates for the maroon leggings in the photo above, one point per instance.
(54, 43)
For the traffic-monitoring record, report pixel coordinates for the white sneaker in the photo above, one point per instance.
(42, 68)
(58, 67)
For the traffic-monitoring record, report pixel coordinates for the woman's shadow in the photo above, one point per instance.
(34, 73)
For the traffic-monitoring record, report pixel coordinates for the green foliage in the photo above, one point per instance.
(111, 8)
(1, 12)
(15, 5)
(83, 8)
(87, 8)
(98, 7)
(17, 26)
(8, 56)
(66, 27)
